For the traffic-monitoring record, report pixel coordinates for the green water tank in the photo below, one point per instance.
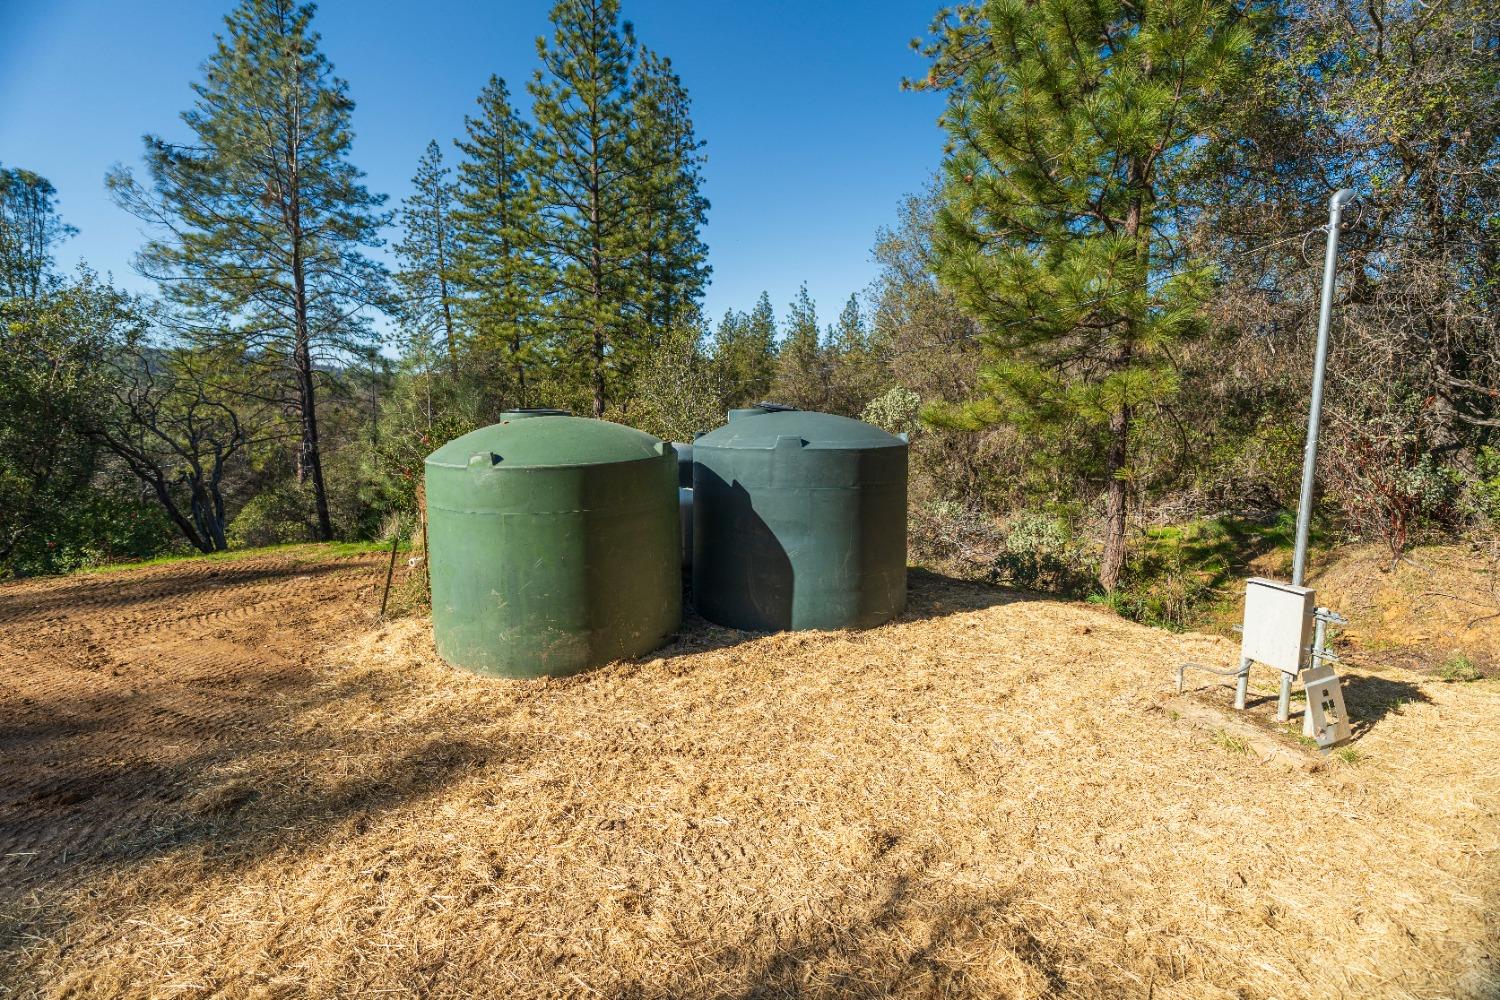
(554, 545)
(799, 522)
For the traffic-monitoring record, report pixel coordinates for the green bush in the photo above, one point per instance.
(1459, 669)
(1171, 601)
(898, 410)
(279, 515)
(1041, 553)
(97, 527)
(1484, 489)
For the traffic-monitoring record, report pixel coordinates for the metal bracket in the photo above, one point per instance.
(1317, 658)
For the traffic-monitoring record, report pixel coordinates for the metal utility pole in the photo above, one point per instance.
(1336, 205)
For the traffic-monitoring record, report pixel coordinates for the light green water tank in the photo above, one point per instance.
(553, 545)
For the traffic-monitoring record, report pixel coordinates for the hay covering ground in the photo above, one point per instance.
(994, 797)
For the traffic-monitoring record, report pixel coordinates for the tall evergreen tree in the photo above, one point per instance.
(802, 373)
(265, 223)
(498, 230)
(669, 204)
(425, 251)
(761, 346)
(29, 229)
(856, 373)
(585, 172)
(744, 351)
(1071, 124)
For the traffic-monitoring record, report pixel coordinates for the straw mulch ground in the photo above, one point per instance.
(993, 797)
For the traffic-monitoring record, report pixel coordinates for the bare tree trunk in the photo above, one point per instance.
(598, 371)
(1117, 458)
(444, 298)
(186, 526)
(1113, 563)
(515, 352)
(311, 460)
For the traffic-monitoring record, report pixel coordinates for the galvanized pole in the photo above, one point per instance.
(1320, 363)
(1336, 205)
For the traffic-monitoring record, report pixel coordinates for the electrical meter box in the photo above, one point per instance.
(1278, 624)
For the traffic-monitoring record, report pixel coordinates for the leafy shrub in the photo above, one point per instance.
(397, 467)
(1483, 490)
(953, 531)
(279, 515)
(1171, 601)
(1387, 483)
(898, 410)
(1460, 669)
(95, 528)
(1041, 553)
(678, 391)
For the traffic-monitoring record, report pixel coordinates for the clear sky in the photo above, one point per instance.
(811, 141)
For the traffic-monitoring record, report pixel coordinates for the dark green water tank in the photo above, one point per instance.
(553, 544)
(799, 522)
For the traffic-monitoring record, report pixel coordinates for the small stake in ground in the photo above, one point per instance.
(390, 570)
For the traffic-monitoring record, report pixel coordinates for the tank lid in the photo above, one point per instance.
(532, 411)
(758, 409)
(525, 442)
(758, 428)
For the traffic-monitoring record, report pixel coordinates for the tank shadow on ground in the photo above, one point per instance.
(929, 595)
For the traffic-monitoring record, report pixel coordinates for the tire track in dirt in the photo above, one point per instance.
(115, 690)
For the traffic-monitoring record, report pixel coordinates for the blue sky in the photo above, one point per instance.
(811, 141)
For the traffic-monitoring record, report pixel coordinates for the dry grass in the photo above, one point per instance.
(993, 797)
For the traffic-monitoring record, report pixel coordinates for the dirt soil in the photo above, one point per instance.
(227, 780)
(1435, 603)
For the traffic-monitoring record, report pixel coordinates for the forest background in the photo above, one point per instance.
(1095, 323)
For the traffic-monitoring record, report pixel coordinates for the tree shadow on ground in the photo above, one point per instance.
(103, 782)
(907, 938)
(85, 793)
(108, 591)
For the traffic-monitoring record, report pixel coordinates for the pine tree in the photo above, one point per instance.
(29, 228)
(744, 351)
(802, 373)
(498, 268)
(264, 220)
(856, 374)
(426, 254)
(668, 201)
(1071, 123)
(585, 171)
